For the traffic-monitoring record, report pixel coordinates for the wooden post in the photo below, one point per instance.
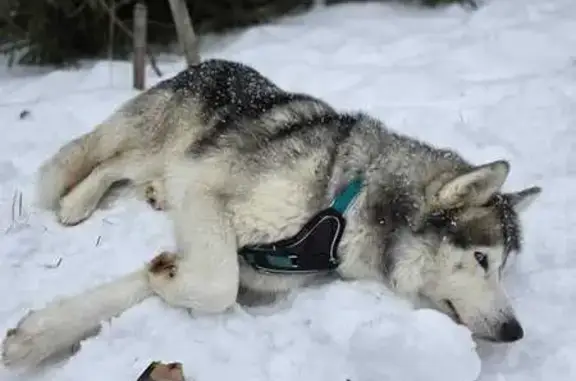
(186, 36)
(112, 7)
(139, 40)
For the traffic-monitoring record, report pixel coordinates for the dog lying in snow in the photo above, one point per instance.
(269, 190)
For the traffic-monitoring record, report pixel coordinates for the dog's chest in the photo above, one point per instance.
(275, 207)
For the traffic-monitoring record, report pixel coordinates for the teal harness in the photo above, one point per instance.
(314, 248)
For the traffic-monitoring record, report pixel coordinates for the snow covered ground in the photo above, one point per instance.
(496, 83)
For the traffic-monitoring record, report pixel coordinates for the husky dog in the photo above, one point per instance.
(237, 161)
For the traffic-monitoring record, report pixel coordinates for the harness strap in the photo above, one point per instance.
(314, 248)
(344, 199)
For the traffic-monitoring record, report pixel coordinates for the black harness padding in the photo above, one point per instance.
(313, 249)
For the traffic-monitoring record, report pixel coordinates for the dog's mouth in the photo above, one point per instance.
(453, 311)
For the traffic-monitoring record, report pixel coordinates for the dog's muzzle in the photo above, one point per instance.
(510, 331)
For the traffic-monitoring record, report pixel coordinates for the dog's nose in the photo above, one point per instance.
(510, 331)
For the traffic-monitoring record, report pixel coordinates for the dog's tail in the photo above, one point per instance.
(73, 163)
(63, 323)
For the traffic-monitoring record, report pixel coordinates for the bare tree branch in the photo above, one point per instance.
(128, 32)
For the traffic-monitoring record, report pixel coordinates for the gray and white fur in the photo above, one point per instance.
(236, 160)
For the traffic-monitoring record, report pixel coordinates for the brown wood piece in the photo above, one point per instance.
(158, 371)
(186, 36)
(139, 40)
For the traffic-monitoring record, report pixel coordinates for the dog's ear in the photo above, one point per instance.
(475, 187)
(471, 214)
(523, 199)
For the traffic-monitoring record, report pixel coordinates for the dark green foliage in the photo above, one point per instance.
(53, 31)
(434, 3)
(59, 32)
(428, 3)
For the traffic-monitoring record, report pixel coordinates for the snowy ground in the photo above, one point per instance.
(499, 82)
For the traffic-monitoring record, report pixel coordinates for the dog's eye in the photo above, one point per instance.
(482, 259)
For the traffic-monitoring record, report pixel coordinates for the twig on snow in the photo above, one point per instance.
(55, 265)
(18, 215)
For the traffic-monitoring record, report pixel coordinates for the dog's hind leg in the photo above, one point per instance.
(82, 200)
(65, 322)
(204, 274)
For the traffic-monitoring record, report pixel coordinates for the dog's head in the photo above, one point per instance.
(471, 228)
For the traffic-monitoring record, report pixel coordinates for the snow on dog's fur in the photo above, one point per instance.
(237, 160)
